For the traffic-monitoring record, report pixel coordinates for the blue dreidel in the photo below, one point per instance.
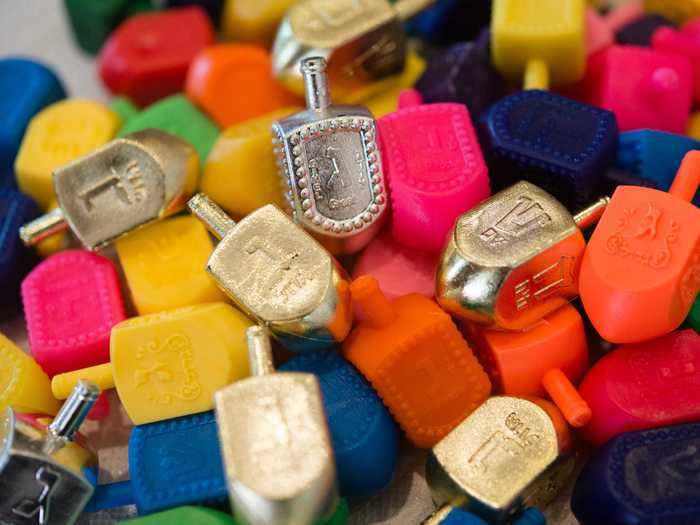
(26, 87)
(561, 145)
(455, 516)
(449, 21)
(212, 7)
(15, 259)
(639, 32)
(638, 478)
(364, 436)
(171, 463)
(654, 156)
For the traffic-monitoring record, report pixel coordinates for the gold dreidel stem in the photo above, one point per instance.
(591, 215)
(43, 227)
(212, 216)
(405, 9)
(71, 415)
(316, 83)
(260, 357)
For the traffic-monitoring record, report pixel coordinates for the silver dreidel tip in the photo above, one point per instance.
(74, 410)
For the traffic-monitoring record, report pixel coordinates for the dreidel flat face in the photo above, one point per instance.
(170, 364)
(645, 251)
(71, 302)
(35, 488)
(641, 477)
(176, 462)
(511, 260)
(494, 457)
(276, 448)
(559, 144)
(551, 31)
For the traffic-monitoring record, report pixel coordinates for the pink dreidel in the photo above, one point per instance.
(71, 302)
(643, 87)
(601, 29)
(685, 42)
(399, 270)
(434, 167)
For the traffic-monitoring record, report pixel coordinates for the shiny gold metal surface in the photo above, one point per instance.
(493, 462)
(363, 41)
(275, 444)
(118, 188)
(513, 259)
(279, 275)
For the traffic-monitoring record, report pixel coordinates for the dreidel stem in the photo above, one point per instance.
(377, 308)
(536, 75)
(566, 397)
(71, 415)
(591, 215)
(43, 227)
(316, 83)
(102, 376)
(687, 179)
(405, 9)
(259, 351)
(214, 218)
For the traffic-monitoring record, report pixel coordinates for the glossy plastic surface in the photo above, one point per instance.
(434, 168)
(641, 270)
(72, 300)
(364, 436)
(642, 477)
(26, 87)
(146, 57)
(416, 359)
(644, 385)
(557, 143)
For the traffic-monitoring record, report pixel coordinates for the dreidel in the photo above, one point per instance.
(120, 187)
(275, 443)
(514, 259)
(449, 515)
(364, 41)
(279, 275)
(509, 454)
(24, 386)
(641, 271)
(547, 359)
(417, 361)
(677, 10)
(540, 41)
(169, 364)
(38, 482)
(330, 167)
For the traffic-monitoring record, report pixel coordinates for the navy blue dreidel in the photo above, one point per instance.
(15, 259)
(453, 516)
(650, 477)
(171, 463)
(26, 87)
(654, 156)
(364, 436)
(449, 21)
(559, 144)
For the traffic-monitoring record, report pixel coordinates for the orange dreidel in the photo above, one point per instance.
(417, 361)
(641, 270)
(545, 359)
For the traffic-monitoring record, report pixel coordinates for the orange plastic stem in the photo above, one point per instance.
(687, 177)
(564, 394)
(377, 308)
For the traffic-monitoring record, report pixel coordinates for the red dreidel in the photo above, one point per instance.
(547, 358)
(641, 270)
(417, 361)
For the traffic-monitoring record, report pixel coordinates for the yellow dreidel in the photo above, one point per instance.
(693, 130)
(61, 133)
(388, 101)
(253, 20)
(542, 40)
(164, 265)
(23, 384)
(170, 364)
(241, 170)
(679, 11)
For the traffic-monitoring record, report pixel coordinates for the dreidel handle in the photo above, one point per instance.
(536, 74)
(316, 89)
(101, 375)
(566, 397)
(405, 9)
(259, 351)
(74, 411)
(410, 98)
(591, 215)
(212, 216)
(687, 179)
(378, 309)
(43, 227)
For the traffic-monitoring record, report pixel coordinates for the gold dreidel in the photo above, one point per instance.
(514, 259)
(275, 443)
(507, 455)
(118, 188)
(363, 40)
(279, 275)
